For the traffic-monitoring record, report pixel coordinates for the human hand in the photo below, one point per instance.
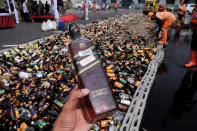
(71, 117)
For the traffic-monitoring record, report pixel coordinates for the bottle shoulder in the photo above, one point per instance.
(81, 39)
(80, 42)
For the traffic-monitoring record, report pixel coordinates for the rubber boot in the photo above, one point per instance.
(193, 61)
(164, 38)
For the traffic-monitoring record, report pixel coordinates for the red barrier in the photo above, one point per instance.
(42, 17)
(7, 21)
(68, 18)
(65, 18)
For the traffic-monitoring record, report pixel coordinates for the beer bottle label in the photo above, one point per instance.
(41, 123)
(85, 59)
(57, 102)
(123, 81)
(118, 84)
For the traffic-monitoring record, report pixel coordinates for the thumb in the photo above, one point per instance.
(74, 96)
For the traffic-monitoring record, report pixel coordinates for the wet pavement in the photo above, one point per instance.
(172, 102)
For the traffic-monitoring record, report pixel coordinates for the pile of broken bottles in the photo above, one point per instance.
(36, 78)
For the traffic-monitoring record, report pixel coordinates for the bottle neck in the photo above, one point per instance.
(75, 35)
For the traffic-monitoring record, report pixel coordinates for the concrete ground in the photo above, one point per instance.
(171, 105)
(25, 32)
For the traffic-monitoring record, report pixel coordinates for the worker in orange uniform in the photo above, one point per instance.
(94, 6)
(162, 8)
(84, 6)
(116, 6)
(103, 7)
(84, 10)
(193, 54)
(164, 21)
(181, 13)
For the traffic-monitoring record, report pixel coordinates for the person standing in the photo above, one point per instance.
(94, 6)
(34, 8)
(84, 10)
(116, 6)
(181, 13)
(29, 7)
(60, 6)
(103, 7)
(25, 11)
(193, 54)
(2, 6)
(41, 9)
(84, 6)
(131, 6)
(18, 8)
(65, 6)
(47, 8)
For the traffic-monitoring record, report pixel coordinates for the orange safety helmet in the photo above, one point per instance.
(150, 14)
(162, 8)
(182, 2)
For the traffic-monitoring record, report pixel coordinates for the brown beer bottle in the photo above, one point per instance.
(91, 75)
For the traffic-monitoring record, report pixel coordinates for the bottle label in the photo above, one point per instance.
(126, 102)
(23, 126)
(131, 80)
(44, 107)
(123, 81)
(85, 59)
(99, 92)
(58, 103)
(85, 52)
(41, 123)
(118, 84)
(2, 92)
(96, 127)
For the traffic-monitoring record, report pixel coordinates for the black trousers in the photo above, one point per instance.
(116, 9)
(194, 41)
(26, 17)
(180, 17)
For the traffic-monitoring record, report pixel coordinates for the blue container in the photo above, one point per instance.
(61, 25)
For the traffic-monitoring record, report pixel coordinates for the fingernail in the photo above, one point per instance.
(85, 91)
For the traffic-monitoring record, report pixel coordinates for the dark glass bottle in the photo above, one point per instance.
(91, 75)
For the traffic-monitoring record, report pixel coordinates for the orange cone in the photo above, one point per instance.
(193, 61)
(164, 37)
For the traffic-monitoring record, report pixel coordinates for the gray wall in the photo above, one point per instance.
(162, 1)
(177, 2)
